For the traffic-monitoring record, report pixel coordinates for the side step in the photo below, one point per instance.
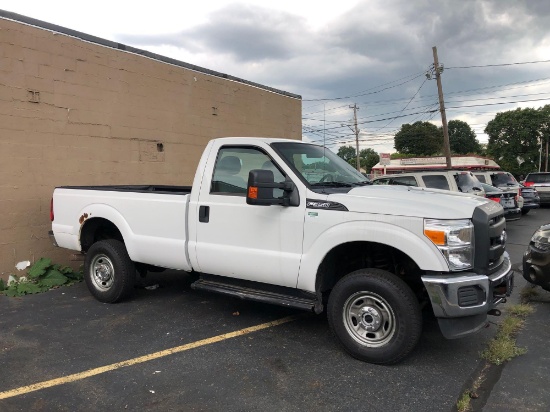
(258, 295)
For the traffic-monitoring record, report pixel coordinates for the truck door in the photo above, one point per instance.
(258, 243)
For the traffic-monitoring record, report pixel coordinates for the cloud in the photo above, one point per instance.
(244, 32)
(375, 43)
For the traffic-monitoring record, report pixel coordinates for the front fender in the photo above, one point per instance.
(418, 248)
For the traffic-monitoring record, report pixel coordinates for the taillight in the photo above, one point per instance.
(494, 199)
(528, 184)
(51, 210)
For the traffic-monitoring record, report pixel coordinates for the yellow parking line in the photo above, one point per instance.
(92, 372)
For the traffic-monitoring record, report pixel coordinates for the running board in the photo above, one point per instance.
(257, 295)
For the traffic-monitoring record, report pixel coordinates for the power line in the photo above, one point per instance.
(365, 94)
(497, 65)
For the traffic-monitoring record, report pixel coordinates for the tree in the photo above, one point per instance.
(462, 138)
(368, 158)
(348, 153)
(419, 138)
(514, 138)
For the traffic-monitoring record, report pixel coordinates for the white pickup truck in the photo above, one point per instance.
(291, 223)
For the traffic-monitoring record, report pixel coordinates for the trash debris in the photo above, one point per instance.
(155, 372)
(152, 287)
(151, 391)
(236, 313)
(11, 279)
(23, 265)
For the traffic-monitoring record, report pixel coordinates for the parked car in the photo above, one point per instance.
(506, 198)
(453, 180)
(536, 259)
(541, 182)
(502, 180)
(531, 199)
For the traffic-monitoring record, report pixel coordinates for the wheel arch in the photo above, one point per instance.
(357, 240)
(352, 256)
(101, 222)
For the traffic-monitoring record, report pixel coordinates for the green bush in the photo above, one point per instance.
(41, 276)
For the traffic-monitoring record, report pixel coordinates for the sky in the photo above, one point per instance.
(371, 53)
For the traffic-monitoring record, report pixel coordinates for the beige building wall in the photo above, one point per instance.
(74, 112)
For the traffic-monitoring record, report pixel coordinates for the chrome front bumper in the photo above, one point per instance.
(469, 294)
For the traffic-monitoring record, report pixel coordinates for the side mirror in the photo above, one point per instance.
(260, 189)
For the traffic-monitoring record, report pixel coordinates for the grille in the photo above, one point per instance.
(489, 225)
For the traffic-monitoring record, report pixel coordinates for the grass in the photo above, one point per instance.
(527, 293)
(502, 348)
(463, 404)
(521, 310)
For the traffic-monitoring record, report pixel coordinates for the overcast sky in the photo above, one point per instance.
(373, 53)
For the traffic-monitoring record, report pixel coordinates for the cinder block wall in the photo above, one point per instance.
(73, 112)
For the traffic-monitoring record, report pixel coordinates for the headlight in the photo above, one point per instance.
(541, 238)
(454, 238)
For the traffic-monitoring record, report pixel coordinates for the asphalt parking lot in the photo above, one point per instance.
(173, 348)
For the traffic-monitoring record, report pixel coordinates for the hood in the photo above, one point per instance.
(410, 201)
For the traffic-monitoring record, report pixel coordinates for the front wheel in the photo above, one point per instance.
(109, 272)
(375, 316)
(525, 211)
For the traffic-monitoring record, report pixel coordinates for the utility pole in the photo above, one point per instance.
(446, 145)
(355, 108)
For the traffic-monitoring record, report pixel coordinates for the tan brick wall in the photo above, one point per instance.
(78, 113)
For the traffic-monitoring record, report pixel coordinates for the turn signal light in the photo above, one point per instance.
(253, 192)
(436, 236)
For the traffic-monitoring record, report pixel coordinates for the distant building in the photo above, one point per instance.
(412, 164)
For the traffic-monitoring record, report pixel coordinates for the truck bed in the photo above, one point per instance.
(151, 219)
(176, 190)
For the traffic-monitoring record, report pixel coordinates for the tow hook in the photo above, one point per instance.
(494, 312)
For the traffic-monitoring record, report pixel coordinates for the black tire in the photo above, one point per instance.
(525, 211)
(391, 321)
(109, 272)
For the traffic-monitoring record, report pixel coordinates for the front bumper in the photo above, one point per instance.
(461, 301)
(536, 267)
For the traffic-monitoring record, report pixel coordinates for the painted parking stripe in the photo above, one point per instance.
(146, 358)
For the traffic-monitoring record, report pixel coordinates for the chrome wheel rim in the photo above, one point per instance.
(102, 272)
(369, 319)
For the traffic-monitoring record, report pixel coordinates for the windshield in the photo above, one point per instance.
(319, 166)
(466, 182)
(504, 179)
(538, 178)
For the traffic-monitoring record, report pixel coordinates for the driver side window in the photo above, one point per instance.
(232, 167)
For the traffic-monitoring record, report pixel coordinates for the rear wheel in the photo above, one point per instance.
(375, 316)
(524, 211)
(108, 271)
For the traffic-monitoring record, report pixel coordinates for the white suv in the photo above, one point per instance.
(502, 180)
(454, 180)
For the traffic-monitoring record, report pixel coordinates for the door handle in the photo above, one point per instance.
(204, 214)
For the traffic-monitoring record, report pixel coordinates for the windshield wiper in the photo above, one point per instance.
(331, 184)
(363, 183)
